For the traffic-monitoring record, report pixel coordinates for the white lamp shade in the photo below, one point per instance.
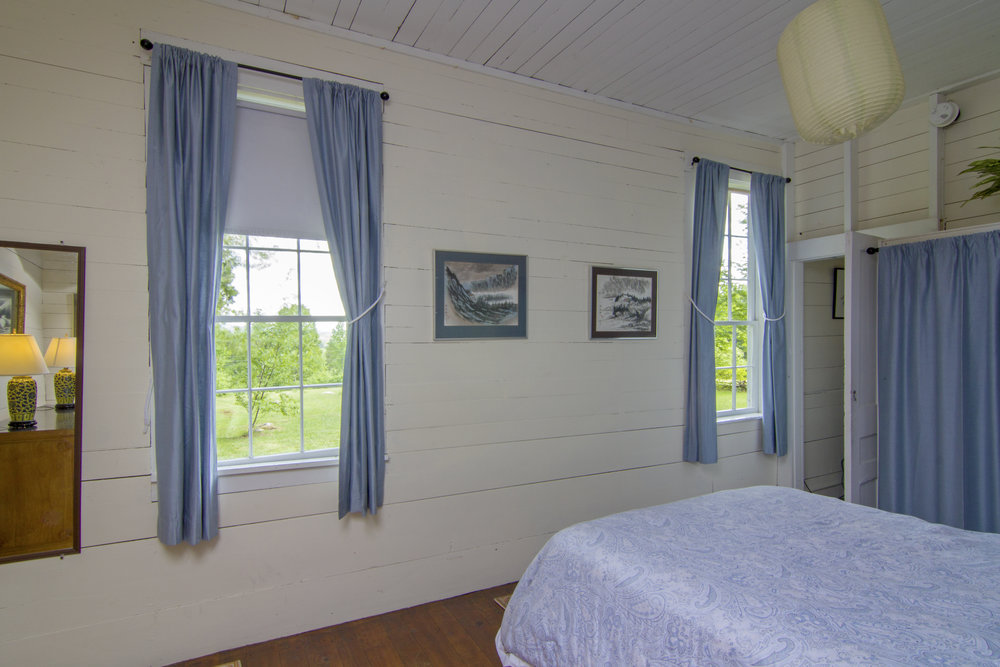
(840, 69)
(19, 355)
(61, 352)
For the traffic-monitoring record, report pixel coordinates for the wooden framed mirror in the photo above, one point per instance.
(40, 464)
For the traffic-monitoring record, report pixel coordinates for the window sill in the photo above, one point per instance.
(742, 423)
(277, 474)
(272, 475)
(742, 417)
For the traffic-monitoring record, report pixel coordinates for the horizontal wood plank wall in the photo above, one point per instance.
(819, 191)
(494, 445)
(975, 136)
(823, 363)
(893, 170)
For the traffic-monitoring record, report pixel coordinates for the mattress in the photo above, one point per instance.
(757, 576)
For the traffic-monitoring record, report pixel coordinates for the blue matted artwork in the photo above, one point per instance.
(480, 295)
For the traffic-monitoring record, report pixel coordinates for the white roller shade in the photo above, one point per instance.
(273, 190)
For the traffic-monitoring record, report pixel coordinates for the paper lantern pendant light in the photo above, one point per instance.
(840, 69)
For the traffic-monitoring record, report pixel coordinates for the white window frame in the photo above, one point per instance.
(740, 183)
(281, 96)
(278, 461)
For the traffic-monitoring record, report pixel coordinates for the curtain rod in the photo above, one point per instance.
(940, 234)
(696, 160)
(148, 46)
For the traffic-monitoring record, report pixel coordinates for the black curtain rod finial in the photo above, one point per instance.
(871, 251)
(146, 44)
(696, 160)
(385, 96)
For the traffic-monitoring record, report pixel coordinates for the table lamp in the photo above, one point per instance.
(62, 352)
(20, 357)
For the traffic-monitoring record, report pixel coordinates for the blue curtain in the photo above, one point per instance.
(192, 110)
(711, 190)
(767, 228)
(345, 129)
(939, 380)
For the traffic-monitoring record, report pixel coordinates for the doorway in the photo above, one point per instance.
(857, 368)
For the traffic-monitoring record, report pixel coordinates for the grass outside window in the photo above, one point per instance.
(279, 434)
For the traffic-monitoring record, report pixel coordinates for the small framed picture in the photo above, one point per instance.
(480, 295)
(11, 306)
(622, 303)
(838, 294)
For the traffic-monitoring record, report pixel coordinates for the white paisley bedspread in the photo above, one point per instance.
(758, 576)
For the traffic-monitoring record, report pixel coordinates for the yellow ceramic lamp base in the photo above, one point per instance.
(65, 386)
(22, 395)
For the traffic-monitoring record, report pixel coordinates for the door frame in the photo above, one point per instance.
(860, 371)
(791, 468)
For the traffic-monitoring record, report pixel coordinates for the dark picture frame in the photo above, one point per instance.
(11, 306)
(838, 294)
(480, 295)
(622, 303)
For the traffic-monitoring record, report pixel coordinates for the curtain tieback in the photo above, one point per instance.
(369, 308)
(700, 312)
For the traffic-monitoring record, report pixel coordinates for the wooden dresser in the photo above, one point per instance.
(38, 488)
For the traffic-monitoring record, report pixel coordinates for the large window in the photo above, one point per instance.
(280, 329)
(280, 335)
(737, 314)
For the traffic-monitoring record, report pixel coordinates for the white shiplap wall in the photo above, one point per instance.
(975, 136)
(819, 191)
(893, 170)
(494, 444)
(823, 372)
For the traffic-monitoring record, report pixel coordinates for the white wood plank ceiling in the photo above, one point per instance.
(708, 60)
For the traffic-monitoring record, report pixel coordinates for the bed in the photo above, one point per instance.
(757, 576)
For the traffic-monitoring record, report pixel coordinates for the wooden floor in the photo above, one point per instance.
(458, 631)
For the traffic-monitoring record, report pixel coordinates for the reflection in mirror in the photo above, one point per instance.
(11, 306)
(41, 295)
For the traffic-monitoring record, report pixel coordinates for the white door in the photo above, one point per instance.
(860, 371)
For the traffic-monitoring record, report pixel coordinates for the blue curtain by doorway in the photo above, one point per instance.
(767, 229)
(939, 380)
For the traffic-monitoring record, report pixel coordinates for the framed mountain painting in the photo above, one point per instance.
(480, 295)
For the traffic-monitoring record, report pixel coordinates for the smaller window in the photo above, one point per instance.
(737, 318)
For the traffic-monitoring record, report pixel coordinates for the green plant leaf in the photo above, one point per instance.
(989, 169)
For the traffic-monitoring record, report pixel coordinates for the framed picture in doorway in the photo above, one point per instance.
(838, 294)
(622, 303)
(480, 295)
